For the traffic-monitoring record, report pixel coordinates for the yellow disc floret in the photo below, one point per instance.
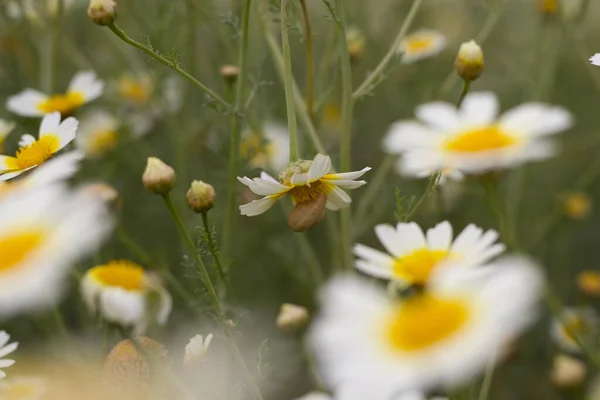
(480, 139)
(416, 266)
(18, 245)
(63, 103)
(37, 152)
(120, 273)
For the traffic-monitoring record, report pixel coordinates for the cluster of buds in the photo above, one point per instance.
(469, 61)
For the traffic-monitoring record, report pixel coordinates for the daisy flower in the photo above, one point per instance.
(303, 180)
(474, 139)
(581, 322)
(422, 44)
(43, 232)
(271, 150)
(595, 59)
(6, 349)
(441, 337)
(196, 349)
(135, 90)
(97, 133)
(124, 293)
(23, 388)
(6, 127)
(54, 135)
(414, 254)
(84, 87)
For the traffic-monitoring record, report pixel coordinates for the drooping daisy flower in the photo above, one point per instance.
(595, 59)
(23, 388)
(42, 233)
(270, 151)
(53, 137)
(123, 293)
(97, 133)
(196, 349)
(414, 255)
(6, 349)
(6, 127)
(421, 44)
(303, 180)
(84, 87)
(440, 337)
(474, 139)
(582, 323)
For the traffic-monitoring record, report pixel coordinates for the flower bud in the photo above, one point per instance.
(102, 12)
(230, 73)
(567, 371)
(292, 317)
(106, 193)
(158, 178)
(356, 43)
(588, 283)
(200, 197)
(469, 61)
(306, 215)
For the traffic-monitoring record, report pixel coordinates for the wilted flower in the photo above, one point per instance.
(123, 293)
(588, 282)
(200, 196)
(84, 87)
(269, 149)
(53, 137)
(158, 178)
(6, 349)
(469, 61)
(568, 371)
(473, 139)
(421, 44)
(196, 349)
(440, 337)
(414, 256)
(97, 134)
(303, 180)
(575, 324)
(292, 317)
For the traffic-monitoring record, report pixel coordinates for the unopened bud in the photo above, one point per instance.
(106, 193)
(230, 73)
(306, 215)
(158, 178)
(292, 317)
(102, 12)
(567, 371)
(356, 43)
(200, 197)
(469, 61)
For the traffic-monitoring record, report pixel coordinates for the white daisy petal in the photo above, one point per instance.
(6, 363)
(320, 166)
(346, 184)
(9, 175)
(479, 108)
(347, 175)
(440, 236)
(258, 207)
(410, 237)
(337, 198)
(595, 59)
(26, 140)
(50, 124)
(6, 350)
(468, 238)
(87, 84)
(26, 103)
(7, 163)
(406, 135)
(438, 115)
(67, 131)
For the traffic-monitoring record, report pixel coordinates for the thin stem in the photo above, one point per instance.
(169, 63)
(193, 38)
(463, 93)
(287, 81)
(487, 378)
(373, 78)
(310, 62)
(494, 199)
(213, 249)
(313, 261)
(56, 46)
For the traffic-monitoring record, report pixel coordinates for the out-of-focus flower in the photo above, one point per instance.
(474, 139)
(107, 194)
(469, 61)
(303, 180)
(97, 134)
(356, 43)
(201, 196)
(595, 59)
(548, 6)
(580, 323)
(23, 388)
(6, 127)
(102, 12)
(568, 9)
(270, 151)
(292, 317)
(158, 177)
(196, 349)
(36, 11)
(42, 233)
(83, 88)
(414, 255)
(53, 137)
(588, 283)
(136, 90)
(441, 337)
(230, 73)
(123, 293)
(577, 205)
(6, 349)
(567, 371)
(421, 44)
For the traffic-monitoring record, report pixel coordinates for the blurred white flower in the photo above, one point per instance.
(303, 180)
(595, 59)
(23, 388)
(97, 134)
(42, 233)
(83, 88)
(54, 135)
(581, 322)
(421, 44)
(568, 371)
(414, 255)
(270, 151)
(441, 337)
(123, 293)
(6, 127)
(474, 139)
(196, 349)
(6, 349)
(135, 89)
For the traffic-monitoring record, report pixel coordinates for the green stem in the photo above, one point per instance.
(374, 77)
(311, 257)
(494, 199)
(169, 63)
(287, 81)
(310, 62)
(487, 378)
(213, 249)
(56, 46)
(193, 38)
(463, 93)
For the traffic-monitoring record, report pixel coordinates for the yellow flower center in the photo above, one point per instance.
(416, 266)
(417, 44)
(305, 193)
(135, 91)
(17, 246)
(102, 141)
(257, 150)
(121, 273)
(424, 321)
(576, 326)
(64, 103)
(548, 6)
(481, 139)
(36, 153)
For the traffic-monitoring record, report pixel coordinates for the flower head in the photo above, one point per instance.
(196, 349)
(442, 336)
(102, 12)
(474, 139)
(97, 134)
(123, 293)
(421, 44)
(268, 149)
(303, 181)
(200, 196)
(574, 325)
(83, 88)
(415, 255)
(6, 349)
(577, 205)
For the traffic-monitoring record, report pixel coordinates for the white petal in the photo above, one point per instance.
(347, 175)
(4, 338)
(407, 135)
(595, 59)
(166, 304)
(372, 255)
(87, 84)
(49, 125)
(26, 140)
(6, 363)
(438, 115)
(9, 175)
(479, 108)
(26, 103)
(320, 166)
(337, 198)
(2, 374)
(257, 207)
(536, 119)
(56, 169)
(122, 307)
(440, 236)
(346, 184)
(267, 177)
(6, 350)
(406, 238)
(67, 131)
(467, 239)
